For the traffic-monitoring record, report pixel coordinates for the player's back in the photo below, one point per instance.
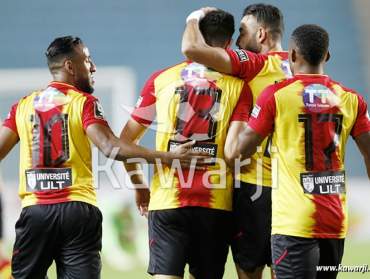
(193, 103)
(55, 153)
(314, 116)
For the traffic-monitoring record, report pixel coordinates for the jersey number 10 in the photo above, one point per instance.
(49, 140)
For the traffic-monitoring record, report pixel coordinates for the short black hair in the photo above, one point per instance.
(61, 48)
(312, 42)
(217, 27)
(269, 16)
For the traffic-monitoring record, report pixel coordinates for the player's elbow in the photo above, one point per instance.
(230, 156)
(190, 51)
(109, 149)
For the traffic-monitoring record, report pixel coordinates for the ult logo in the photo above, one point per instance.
(317, 98)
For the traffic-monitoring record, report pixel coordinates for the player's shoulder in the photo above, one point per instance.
(244, 55)
(343, 87)
(29, 97)
(167, 70)
(280, 55)
(276, 87)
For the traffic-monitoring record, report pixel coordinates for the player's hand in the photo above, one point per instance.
(207, 10)
(190, 158)
(142, 197)
(199, 14)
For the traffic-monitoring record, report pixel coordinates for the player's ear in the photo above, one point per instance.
(229, 43)
(327, 58)
(68, 66)
(293, 55)
(262, 34)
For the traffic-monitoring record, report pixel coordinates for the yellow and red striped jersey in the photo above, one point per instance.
(55, 152)
(191, 102)
(259, 71)
(311, 117)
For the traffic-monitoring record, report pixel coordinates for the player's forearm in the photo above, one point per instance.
(231, 151)
(248, 143)
(136, 175)
(121, 151)
(192, 41)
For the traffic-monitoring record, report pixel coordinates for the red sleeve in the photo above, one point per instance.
(10, 121)
(263, 114)
(93, 113)
(145, 109)
(244, 105)
(246, 64)
(362, 123)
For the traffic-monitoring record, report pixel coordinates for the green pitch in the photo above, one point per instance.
(355, 254)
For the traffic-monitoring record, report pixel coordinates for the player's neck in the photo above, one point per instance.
(63, 78)
(309, 70)
(271, 47)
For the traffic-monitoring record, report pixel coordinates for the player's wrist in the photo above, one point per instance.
(167, 157)
(195, 15)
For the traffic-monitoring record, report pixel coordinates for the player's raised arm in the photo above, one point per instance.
(195, 48)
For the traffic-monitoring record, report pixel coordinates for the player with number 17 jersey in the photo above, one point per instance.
(311, 198)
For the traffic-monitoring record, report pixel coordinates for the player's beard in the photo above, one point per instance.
(84, 85)
(253, 46)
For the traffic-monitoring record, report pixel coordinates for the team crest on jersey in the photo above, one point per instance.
(256, 111)
(31, 179)
(98, 110)
(308, 183)
(242, 55)
(317, 98)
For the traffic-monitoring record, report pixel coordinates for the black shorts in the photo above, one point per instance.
(297, 257)
(69, 233)
(251, 244)
(190, 235)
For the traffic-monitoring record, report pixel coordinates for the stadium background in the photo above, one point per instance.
(143, 36)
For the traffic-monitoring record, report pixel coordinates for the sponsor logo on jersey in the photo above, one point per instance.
(206, 147)
(242, 55)
(323, 183)
(256, 111)
(98, 110)
(49, 99)
(48, 179)
(317, 98)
